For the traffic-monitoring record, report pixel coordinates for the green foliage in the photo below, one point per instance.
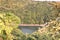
(18, 35)
(30, 12)
(38, 12)
(11, 32)
(43, 36)
(8, 22)
(50, 32)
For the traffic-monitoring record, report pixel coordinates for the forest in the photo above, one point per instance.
(30, 12)
(15, 12)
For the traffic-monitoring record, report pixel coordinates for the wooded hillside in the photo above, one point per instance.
(30, 12)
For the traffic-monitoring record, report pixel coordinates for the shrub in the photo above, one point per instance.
(8, 22)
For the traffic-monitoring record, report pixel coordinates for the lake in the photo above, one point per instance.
(29, 29)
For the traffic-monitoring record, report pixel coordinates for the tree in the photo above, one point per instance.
(30, 12)
(8, 22)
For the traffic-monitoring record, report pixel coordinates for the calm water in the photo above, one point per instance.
(28, 29)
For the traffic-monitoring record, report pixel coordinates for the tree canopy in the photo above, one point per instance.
(8, 22)
(30, 12)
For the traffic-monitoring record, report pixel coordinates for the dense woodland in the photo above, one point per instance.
(30, 12)
(15, 12)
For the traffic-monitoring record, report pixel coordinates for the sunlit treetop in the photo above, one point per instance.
(8, 21)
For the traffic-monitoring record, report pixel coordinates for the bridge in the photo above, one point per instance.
(33, 25)
(29, 28)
